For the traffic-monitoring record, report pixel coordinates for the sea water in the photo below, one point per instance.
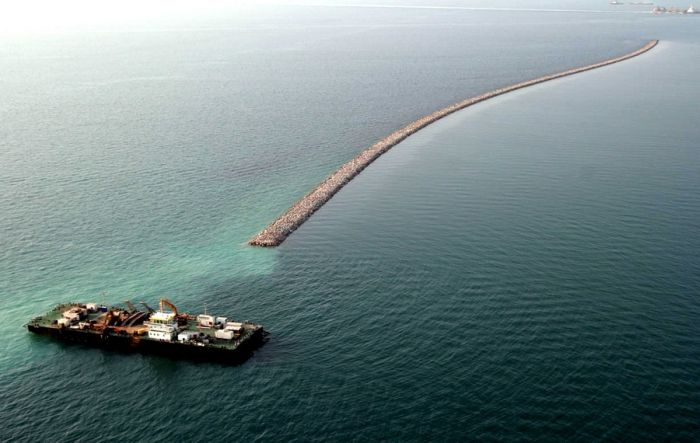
(525, 268)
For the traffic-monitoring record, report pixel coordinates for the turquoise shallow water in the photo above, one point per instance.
(524, 269)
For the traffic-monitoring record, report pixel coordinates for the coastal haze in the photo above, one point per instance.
(524, 268)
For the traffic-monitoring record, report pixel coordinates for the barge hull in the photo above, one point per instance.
(175, 350)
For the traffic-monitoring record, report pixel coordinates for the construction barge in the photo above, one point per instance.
(165, 332)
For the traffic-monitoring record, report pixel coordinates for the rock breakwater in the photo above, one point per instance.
(277, 231)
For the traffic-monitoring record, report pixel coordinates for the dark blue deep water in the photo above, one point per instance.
(525, 269)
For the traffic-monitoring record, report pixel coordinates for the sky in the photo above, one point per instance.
(55, 15)
(32, 16)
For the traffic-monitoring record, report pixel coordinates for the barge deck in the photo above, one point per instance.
(169, 333)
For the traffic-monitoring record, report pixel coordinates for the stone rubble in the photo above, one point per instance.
(275, 233)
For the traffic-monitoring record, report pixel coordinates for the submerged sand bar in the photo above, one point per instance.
(300, 211)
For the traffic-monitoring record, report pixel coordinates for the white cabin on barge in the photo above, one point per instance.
(162, 325)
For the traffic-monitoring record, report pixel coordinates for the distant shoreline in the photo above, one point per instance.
(283, 226)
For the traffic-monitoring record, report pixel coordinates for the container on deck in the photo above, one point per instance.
(187, 335)
(205, 320)
(234, 326)
(224, 334)
(75, 314)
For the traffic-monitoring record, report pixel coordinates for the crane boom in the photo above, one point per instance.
(131, 306)
(168, 303)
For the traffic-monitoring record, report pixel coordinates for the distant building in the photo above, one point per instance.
(673, 10)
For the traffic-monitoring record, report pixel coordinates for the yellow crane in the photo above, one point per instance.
(169, 304)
